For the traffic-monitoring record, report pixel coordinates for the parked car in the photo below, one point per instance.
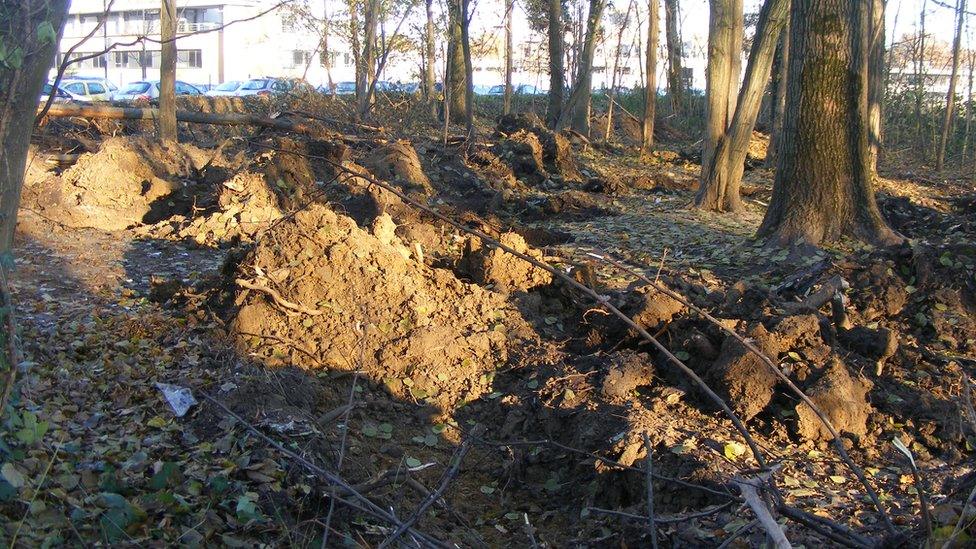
(498, 89)
(100, 79)
(409, 88)
(60, 95)
(148, 90)
(264, 86)
(92, 90)
(227, 88)
(345, 88)
(204, 88)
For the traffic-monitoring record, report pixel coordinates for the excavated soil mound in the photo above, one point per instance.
(321, 292)
(501, 269)
(277, 180)
(535, 153)
(625, 129)
(398, 163)
(129, 181)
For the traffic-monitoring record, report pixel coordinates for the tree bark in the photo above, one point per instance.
(556, 65)
(456, 79)
(824, 182)
(578, 106)
(20, 89)
(951, 93)
(920, 82)
(356, 47)
(876, 77)
(429, 93)
(675, 86)
(650, 83)
(721, 76)
(167, 71)
(612, 94)
(722, 177)
(779, 95)
(509, 46)
(367, 76)
(468, 67)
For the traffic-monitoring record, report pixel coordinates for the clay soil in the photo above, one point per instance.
(272, 277)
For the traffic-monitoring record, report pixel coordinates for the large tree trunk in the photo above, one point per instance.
(370, 17)
(20, 89)
(556, 65)
(725, 28)
(824, 182)
(650, 83)
(355, 46)
(429, 93)
(876, 77)
(507, 101)
(468, 67)
(578, 106)
(456, 79)
(951, 93)
(721, 178)
(167, 71)
(779, 95)
(675, 86)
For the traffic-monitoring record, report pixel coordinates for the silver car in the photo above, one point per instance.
(148, 90)
(227, 88)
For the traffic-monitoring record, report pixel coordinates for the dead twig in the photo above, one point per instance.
(664, 519)
(361, 502)
(650, 490)
(434, 496)
(835, 435)
(826, 527)
(741, 531)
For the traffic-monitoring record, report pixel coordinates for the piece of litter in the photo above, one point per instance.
(179, 398)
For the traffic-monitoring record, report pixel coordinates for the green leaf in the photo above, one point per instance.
(682, 355)
(247, 509)
(12, 475)
(487, 490)
(32, 430)
(45, 33)
(413, 462)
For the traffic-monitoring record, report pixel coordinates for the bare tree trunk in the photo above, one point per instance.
(612, 94)
(876, 77)
(456, 79)
(719, 190)
(650, 83)
(578, 106)
(555, 62)
(779, 95)
(824, 182)
(468, 67)
(370, 17)
(355, 46)
(721, 77)
(167, 71)
(19, 91)
(920, 81)
(971, 57)
(429, 93)
(675, 86)
(951, 93)
(507, 101)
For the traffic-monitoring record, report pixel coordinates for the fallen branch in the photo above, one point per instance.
(751, 494)
(672, 519)
(365, 504)
(650, 490)
(219, 119)
(278, 299)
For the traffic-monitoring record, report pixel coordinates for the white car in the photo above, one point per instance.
(90, 89)
(227, 88)
(60, 96)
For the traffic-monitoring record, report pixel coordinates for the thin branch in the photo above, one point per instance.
(650, 490)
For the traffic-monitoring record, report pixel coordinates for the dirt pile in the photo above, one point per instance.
(625, 128)
(129, 181)
(322, 292)
(399, 164)
(535, 153)
(505, 272)
(255, 195)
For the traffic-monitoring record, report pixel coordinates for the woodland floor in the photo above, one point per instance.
(419, 348)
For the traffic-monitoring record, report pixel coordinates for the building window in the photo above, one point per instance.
(151, 59)
(300, 58)
(99, 62)
(192, 59)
